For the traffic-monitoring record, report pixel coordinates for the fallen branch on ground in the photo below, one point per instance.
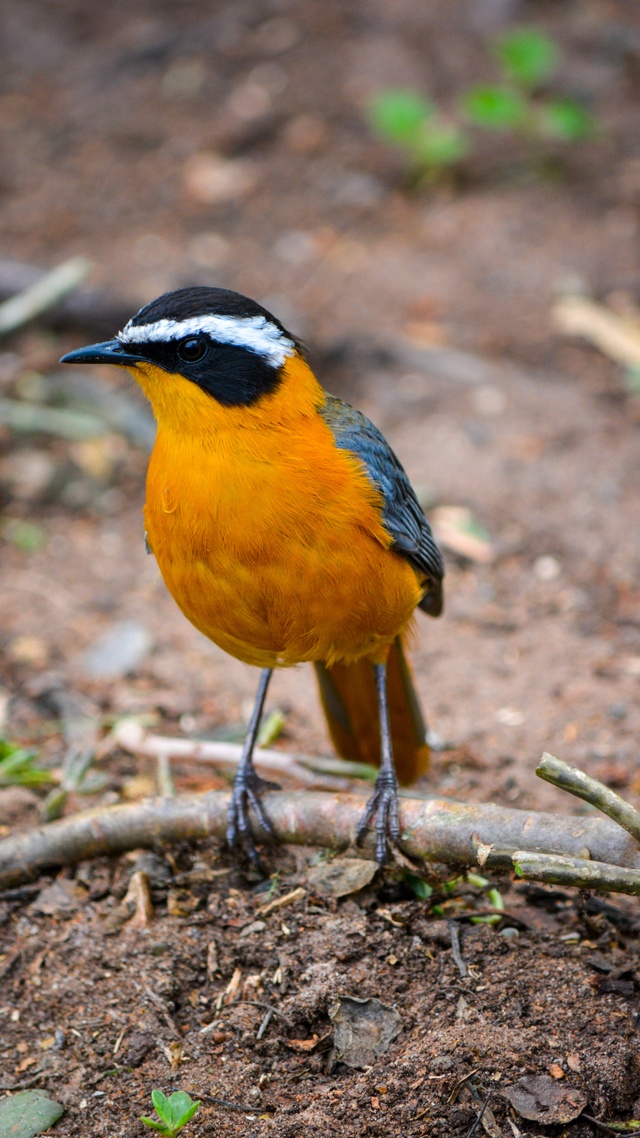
(437, 830)
(312, 772)
(43, 293)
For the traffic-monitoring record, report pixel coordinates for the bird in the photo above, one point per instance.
(286, 530)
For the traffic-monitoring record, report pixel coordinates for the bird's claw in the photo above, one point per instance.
(384, 804)
(247, 791)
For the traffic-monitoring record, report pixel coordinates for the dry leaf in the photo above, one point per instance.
(364, 1030)
(342, 876)
(540, 1099)
(302, 1044)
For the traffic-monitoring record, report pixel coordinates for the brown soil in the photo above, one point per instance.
(109, 117)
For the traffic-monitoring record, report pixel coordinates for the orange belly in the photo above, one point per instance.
(273, 546)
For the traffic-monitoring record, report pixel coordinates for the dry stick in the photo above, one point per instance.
(437, 830)
(131, 737)
(42, 294)
(481, 1115)
(454, 933)
(563, 775)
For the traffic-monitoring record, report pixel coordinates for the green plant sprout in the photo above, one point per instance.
(415, 124)
(173, 1112)
(527, 59)
(17, 767)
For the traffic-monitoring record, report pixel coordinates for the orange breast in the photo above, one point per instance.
(269, 539)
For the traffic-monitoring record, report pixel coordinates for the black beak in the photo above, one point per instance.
(110, 352)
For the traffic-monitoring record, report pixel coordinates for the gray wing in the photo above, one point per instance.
(402, 514)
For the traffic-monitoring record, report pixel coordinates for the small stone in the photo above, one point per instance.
(210, 179)
(442, 1063)
(118, 652)
(547, 568)
(305, 134)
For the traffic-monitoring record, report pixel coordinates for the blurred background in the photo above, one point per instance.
(443, 201)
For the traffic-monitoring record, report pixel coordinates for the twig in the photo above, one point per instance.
(616, 336)
(604, 1129)
(89, 308)
(265, 1023)
(481, 1115)
(130, 735)
(459, 1085)
(566, 777)
(63, 422)
(454, 933)
(578, 872)
(268, 1007)
(165, 777)
(42, 294)
(438, 830)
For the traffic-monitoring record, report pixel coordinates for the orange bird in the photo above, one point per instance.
(285, 529)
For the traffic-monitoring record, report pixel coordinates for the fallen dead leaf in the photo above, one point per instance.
(302, 1044)
(540, 1099)
(342, 876)
(364, 1030)
(60, 899)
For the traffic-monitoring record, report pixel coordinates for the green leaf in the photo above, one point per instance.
(17, 767)
(161, 1104)
(421, 888)
(154, 1125)
(397, 116)
(527, 56)
(477, 879)
(439, 144)
(271, 728)
(496, 899)
(174, 1112)
(495, 108)
(28, 1113)
(567, 120)
(26, 536)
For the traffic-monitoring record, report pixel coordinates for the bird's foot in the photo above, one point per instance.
(384, 804)
(247, 790)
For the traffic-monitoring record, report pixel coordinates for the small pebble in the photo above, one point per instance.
(547, 568)
(119, 651)
(442, 1063)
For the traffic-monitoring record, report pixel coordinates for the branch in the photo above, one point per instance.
(42, 294)
(578, 872)
(435, 830)
(569, 778)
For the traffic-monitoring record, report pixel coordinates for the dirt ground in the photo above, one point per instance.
(225, 143)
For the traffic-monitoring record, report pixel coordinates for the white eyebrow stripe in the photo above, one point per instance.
(255, 333)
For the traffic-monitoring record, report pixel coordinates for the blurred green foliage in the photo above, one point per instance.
(17, 767)
(527, 59)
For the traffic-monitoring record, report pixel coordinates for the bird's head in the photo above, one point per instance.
(202, 350)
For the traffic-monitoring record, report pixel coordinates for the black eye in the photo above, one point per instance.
(193, 349)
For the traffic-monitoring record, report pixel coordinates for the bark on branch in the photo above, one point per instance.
(436, 830)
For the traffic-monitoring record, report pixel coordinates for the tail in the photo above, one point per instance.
(348, 695)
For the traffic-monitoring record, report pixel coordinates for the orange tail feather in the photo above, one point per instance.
(348, 695)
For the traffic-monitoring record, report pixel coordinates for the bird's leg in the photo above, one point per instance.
(248, 786)
(384, 800)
